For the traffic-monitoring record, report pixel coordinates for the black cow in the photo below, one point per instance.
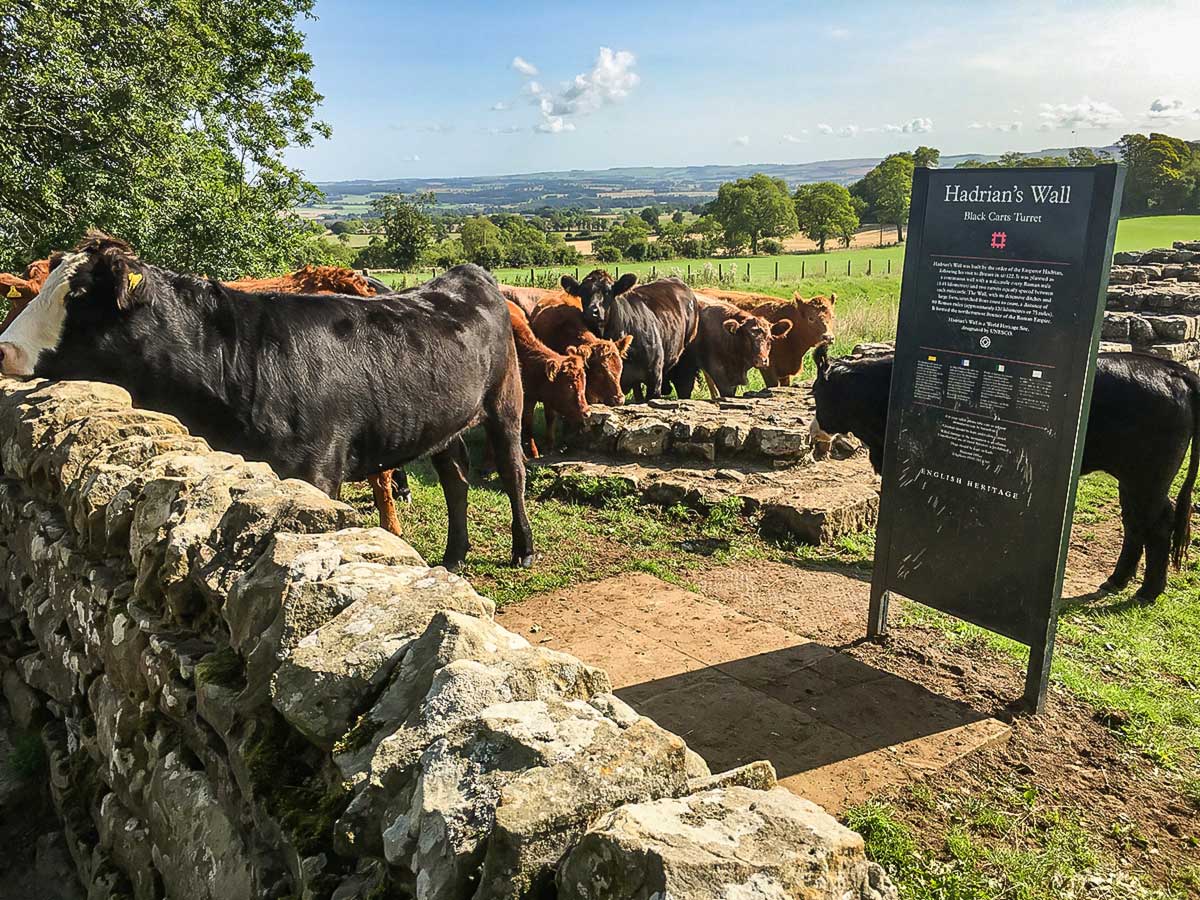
(327, 389)
(661, 317)
(1145, 411)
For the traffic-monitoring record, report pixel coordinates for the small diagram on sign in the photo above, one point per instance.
(985, 342)
(999, 240)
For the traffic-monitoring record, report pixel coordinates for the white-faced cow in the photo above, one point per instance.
(661, 317)
(1145, 411)
(327, 389)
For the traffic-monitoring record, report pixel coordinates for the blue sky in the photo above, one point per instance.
(444, 89)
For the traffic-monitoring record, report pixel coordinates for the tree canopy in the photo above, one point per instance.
(887, 190)
(753, 208)
(1162, 174)
(163, 121)
(826, 210)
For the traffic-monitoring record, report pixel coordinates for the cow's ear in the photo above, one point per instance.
(570, 285)
(731, 325)
(127, 272)
(584, 351)
(832, 298)
(781, 328)
(553, 368)
(624, 344)
(624, 283)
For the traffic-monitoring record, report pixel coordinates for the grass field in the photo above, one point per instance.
(1132, 234)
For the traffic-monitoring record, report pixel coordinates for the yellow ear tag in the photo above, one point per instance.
(13, 292)
(135, 279)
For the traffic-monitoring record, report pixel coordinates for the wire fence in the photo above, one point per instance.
(709, 273)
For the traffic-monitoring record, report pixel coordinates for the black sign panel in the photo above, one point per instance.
(1001, 302)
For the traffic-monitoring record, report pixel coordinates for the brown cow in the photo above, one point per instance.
(558, 322)
(730, 343)
(18, 291)
(526, 297)
(309, 280)
(555, 379)
(812, 324)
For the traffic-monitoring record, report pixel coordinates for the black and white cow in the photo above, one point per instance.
(1145, 411)
(330, 389)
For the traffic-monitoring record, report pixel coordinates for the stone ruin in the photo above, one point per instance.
(754, 451)
(1154, 303)
(243, 694)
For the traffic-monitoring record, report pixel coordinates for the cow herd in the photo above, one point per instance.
(331, 377)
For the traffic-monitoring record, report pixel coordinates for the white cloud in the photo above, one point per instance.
(1087, 113)
(610, 80)
(413, 158)
(824, 129)
(838, 33)
(508, 129)
(500, 106)
(1009, 127)
(554, 125)
(436, 128)
(527, 69)
(1170, 108)
(848, 131)
(742, 140)
(793, 139)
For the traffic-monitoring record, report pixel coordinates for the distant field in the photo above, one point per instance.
(1132, 234)
(1147, 232)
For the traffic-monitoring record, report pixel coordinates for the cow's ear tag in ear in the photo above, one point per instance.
(135, 278)
(13, 292)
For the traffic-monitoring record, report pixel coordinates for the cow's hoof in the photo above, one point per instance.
(1145, 597)
(1113, 586)
(524, 562)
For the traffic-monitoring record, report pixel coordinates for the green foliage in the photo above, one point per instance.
(825, 210)
(926, 157)
(650, 215)
(405, 230)
(677, 217)
(1162, 174)
(750, 209)
(163, 121)
(887, 189)
(513, 240)
(27, 759)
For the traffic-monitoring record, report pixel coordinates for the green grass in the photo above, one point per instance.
(1148, 232)
(1010, 842)
(1132, 234)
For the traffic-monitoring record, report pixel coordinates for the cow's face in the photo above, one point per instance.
(568, 385)
(596, 294)
(605, 362)
(754, 335)
(815, 318)
(85, 290)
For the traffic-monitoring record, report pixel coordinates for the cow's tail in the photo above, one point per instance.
(1181, 537)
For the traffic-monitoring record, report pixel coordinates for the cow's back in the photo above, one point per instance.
(557, 320)
(674, 307)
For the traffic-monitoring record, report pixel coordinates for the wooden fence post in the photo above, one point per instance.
(776, 270)
(868, 267)
(802, 262)
(826, 267)
(654, 271)
(747, 271)
(889, 267)
(848, 267)
(720, 271)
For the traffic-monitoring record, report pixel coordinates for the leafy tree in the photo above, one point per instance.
(887, 190)
(650, 215)
(927, 157)
(677, 217)
(750, 209)
(163, 121)
(481, 242)
(1163, 173)
(406, 231)
(1086, 156)
(825, 210)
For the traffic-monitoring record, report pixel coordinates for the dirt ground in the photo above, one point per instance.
(1065, 755)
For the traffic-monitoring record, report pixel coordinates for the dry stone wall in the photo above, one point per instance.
(243, 694)
(1154, 303)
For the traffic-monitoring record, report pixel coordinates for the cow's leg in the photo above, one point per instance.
(527, 431)
(683, 377)
(1158, 553)
(654, 386)
(769, 378)
(502, 423)
(400, 489)
(1132, 542)
(549, 441)
(638, 395)
(452, 465)
(381, 488)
